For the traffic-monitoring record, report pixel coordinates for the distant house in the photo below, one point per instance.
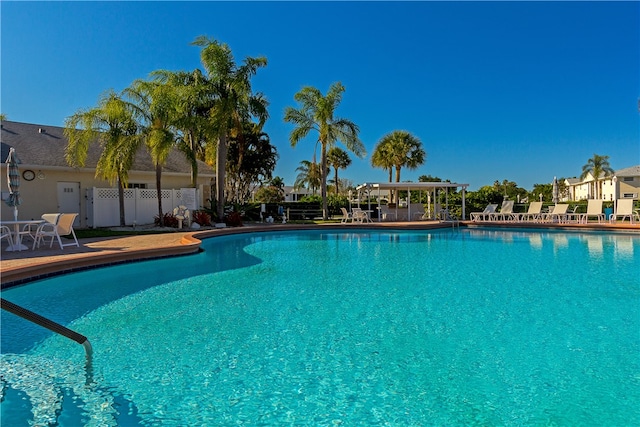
(623, 184)
(49, 184)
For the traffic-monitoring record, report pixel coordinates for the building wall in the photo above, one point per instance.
(41, 194)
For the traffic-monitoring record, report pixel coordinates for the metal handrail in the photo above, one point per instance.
(49, 324)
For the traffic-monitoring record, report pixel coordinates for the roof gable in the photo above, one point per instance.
(44, 146)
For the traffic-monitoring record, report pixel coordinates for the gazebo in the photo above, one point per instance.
(431, 188)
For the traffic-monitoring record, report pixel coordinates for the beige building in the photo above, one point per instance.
(48, 184)
(623, 184)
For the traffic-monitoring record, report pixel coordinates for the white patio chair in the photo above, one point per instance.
(62, 227)
(346, 216)
(6, 233)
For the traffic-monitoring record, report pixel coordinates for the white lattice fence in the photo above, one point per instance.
(140, 205)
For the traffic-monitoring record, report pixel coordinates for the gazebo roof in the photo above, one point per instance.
(429, 186)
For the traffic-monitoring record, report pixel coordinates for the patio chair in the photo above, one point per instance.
(62, 227)
(594, 209)
(417, 211)
(30, 230)
(6, 233)
(532, 214)
(346, 216)
(481, 216)
(386, 213)
(506, 212)
(624, 209)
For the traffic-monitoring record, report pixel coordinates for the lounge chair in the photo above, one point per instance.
(506, 212)
(594, 209)
(62, 227)
(624, 209)
(484, 215)
(346, 216)
(557, 213)
(533, 213)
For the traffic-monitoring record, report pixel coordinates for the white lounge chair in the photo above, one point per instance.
(594, 209)
(62, 227)
(533, 213)
(624, 209)
(506, 212)
(482, 216)
(346, 216)
(557, 214)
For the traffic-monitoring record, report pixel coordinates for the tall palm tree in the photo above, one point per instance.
(309, 176)
(113, 125)
(193, 102)
(155, 105)
(316, 112)
(598, 166)
(398, 149)
(337, 158)
(234, 101)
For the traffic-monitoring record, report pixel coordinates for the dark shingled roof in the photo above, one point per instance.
(42, 145)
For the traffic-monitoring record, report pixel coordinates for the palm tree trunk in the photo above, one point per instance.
(323, 165)
(159, 192)
(221, 163)
(121, 202)
(337, 185)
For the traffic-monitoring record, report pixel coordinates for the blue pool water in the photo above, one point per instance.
(476, 327)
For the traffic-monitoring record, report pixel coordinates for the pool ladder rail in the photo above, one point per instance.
(51, 325)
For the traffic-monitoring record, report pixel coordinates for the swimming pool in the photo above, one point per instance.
(469, 327)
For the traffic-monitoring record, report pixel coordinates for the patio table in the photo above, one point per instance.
(17, 238)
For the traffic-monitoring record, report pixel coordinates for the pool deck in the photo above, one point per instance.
(23, 266)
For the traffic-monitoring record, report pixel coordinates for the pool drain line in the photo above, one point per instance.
(49, 324)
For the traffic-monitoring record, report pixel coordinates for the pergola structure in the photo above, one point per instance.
(431, 188)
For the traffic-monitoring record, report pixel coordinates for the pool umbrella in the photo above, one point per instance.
(555, 190)
(13, 179)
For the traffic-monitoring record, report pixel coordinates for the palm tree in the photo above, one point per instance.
(317, 112)
(597, 166)
(234, 102)
(113, 125)
(398, 149)
(337, 158)
(193, 102)
(155, 105)
(309, 176)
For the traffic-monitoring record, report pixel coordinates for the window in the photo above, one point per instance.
(627, 178)
(630, 196)
(136, 185)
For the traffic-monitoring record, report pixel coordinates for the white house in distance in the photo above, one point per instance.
(623, 184)
(48, 184)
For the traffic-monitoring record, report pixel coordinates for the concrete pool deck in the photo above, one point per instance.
(19, 267)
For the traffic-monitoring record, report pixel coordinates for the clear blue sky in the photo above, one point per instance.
(523, 91)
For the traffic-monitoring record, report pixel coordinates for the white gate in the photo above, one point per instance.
(140, 205)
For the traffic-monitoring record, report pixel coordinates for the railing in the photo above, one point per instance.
(51, 325)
